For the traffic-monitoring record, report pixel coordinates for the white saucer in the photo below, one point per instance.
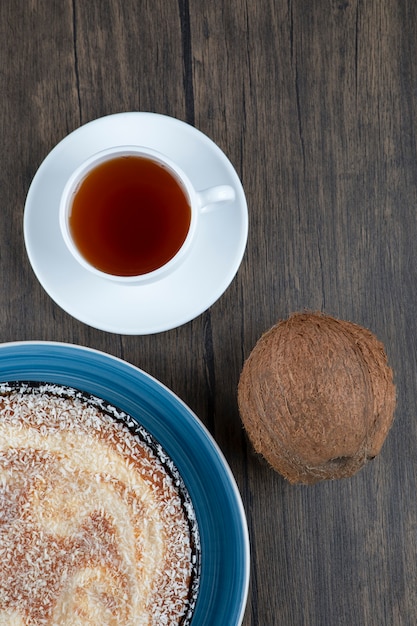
(173, 300)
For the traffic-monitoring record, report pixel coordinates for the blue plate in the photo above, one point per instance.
(217, 503)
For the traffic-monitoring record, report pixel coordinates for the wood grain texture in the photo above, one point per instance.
(315, 105)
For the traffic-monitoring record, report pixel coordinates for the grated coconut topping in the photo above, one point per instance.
(96, 525)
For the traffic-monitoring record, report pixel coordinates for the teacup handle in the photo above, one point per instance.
(210, 199)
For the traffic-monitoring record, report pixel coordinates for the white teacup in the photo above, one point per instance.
(103, 213)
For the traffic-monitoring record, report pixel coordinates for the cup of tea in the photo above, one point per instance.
(130, 214)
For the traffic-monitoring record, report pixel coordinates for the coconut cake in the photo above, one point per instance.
(96, 525)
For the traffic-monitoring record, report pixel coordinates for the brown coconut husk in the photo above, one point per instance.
(316, 397)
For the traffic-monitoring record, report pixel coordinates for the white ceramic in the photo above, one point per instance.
(176, 298)
(199, 200)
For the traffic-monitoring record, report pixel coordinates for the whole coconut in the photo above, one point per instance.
(317, 397)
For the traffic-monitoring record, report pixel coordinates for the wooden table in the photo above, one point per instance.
(315, 105)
